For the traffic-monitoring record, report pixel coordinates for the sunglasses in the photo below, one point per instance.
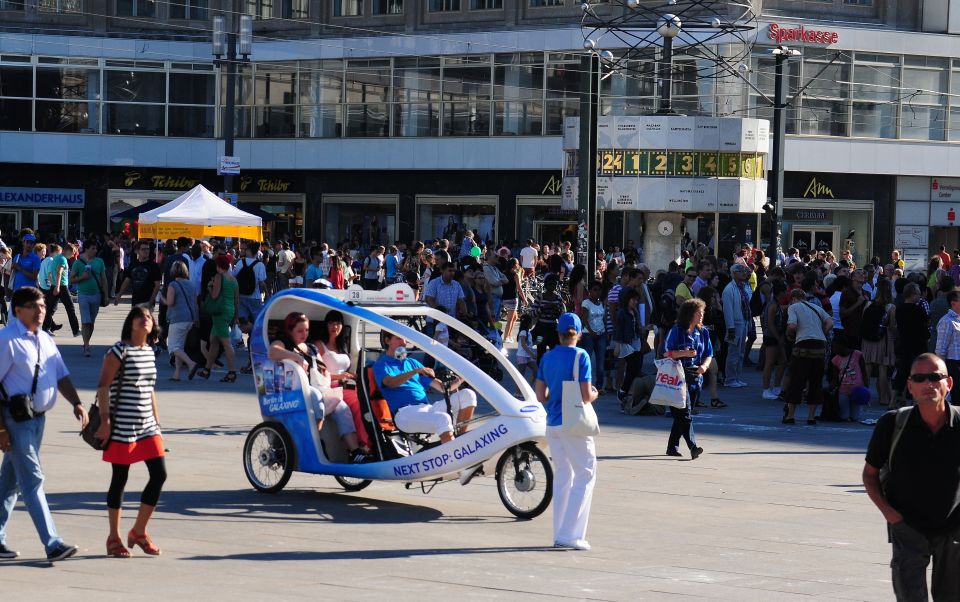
(933, 377)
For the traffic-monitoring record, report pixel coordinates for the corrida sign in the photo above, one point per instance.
(673, 163)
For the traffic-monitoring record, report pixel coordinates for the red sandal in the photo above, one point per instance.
(143, 540)
(115, 548)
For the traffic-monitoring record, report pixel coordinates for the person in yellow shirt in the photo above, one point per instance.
(684, 291)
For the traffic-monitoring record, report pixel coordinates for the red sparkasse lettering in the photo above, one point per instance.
(800, 33)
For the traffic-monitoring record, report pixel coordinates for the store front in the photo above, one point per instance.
(542, 219)
(927, 210)
(271, 195)
(53, 213)
(834, 212)
(365, 220)
(450, 216)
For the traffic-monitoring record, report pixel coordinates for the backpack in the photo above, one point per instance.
(668, 307)
(872, 327)
(246, 278)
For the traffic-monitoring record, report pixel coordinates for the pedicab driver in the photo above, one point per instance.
(404, 381)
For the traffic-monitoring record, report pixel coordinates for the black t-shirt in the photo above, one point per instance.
(142, 278)
(924, 480)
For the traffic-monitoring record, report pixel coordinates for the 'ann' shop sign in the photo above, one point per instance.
(73, 198)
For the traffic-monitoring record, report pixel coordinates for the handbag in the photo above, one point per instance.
(578, 418)
(88, 433)
(670, 388)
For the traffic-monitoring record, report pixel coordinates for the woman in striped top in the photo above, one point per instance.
(131, 425)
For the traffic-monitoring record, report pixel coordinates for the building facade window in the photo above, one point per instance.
(876, 83)
(136, 8)
(68, 99)
(16, 98)
(197, 10)
(485, 4)
(321, 95)
(191, 112)
(347, 8)
(387, 7)
(562, 91)
(518, 94)
(825, 106)
(59, 6)
(466, 95)
(367, 90)
(259, 9)
(539, 3)
(13, 5)
(275, 100)
(442, 6)
(451, 217)
(134, 102)
(416, 95)
(924, 112)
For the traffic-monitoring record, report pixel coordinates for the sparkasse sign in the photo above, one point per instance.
(800, 33)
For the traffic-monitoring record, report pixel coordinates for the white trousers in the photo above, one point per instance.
(433, 418)
(574, 476)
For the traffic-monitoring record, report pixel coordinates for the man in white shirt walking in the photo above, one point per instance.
(528, 259)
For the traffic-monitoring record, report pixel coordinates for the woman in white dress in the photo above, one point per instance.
(335, 352)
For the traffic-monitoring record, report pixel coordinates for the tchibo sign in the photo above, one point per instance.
(781, 34)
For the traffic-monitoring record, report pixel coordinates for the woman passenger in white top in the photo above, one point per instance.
(334, 346)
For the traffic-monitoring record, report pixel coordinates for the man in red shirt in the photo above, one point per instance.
(945, 257)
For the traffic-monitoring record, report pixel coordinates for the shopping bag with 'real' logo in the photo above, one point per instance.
(671, 384)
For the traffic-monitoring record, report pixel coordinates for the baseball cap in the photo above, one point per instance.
(29, 237)
(569, 321)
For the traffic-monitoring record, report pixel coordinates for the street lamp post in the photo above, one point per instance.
(781, 54)
(227, 53)
(587, 206)
(668, 26)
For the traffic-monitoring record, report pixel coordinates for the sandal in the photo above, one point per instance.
(204, 373)
(716, 403)
(700, 404)
(143, 540)
(230, 377)
(115, 548)
(193, 371)
(246, 370)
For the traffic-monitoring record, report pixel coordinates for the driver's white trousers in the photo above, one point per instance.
(433, 418)
(574, 475)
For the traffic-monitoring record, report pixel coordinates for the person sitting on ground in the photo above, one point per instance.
(292, 345)
(403, 381)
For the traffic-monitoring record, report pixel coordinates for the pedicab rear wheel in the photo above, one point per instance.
(352, 483)
(268, 457)
(525, 480)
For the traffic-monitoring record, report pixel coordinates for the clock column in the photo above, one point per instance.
(659, 249)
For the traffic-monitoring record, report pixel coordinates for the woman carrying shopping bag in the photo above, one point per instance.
(573, 451)
(689, 342)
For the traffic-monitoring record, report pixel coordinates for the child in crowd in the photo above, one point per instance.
(848, 369)
(526, 353)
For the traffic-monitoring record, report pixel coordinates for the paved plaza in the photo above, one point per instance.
(769, 512)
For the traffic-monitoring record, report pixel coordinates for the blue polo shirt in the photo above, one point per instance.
(31, 263)
(698, 340)
(556, 367)
(412, 392)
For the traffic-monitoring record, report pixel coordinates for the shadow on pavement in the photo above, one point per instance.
(370, 554)
(286, 506)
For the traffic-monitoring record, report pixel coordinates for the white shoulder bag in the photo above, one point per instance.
(578, 418)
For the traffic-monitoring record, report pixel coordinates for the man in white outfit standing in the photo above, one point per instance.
(736, 313)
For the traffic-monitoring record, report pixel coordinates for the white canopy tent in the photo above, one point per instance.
(199, 214)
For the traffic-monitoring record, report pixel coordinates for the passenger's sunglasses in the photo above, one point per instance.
(933, 377)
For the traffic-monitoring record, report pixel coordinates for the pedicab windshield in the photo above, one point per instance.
(460, 350)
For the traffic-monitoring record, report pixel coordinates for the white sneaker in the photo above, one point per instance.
(777, 391)
(769, 393)
(580, 544)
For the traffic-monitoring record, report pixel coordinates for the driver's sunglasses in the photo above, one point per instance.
(933, 377)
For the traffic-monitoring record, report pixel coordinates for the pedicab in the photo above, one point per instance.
(505, 438)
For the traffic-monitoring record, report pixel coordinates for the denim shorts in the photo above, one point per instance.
(249, 308)
(89, 308)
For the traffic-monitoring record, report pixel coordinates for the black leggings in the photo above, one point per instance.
(633, 366)
(151, 493)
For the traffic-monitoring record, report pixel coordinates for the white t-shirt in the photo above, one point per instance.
(259, 275)
(808, 318)
(285, 261)
(527, 337)
(595, 313)
(528, 257)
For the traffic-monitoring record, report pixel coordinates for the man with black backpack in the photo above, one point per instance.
(912, 475)
(251, 278)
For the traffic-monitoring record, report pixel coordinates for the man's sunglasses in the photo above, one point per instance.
(933, 377)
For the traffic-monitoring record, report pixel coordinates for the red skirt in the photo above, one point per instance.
(131, 453)
(353, 402)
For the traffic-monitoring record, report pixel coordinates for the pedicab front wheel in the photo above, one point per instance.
(268, 457)
(525, 480)
(352, 483)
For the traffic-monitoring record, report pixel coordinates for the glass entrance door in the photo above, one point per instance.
(9, 223)
(553, 232)
(50, 224)
(810, 239)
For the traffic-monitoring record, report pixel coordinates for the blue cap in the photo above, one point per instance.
(569, 321)
(29, 237)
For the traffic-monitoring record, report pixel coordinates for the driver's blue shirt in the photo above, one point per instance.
(556, 367)
(412, 392)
